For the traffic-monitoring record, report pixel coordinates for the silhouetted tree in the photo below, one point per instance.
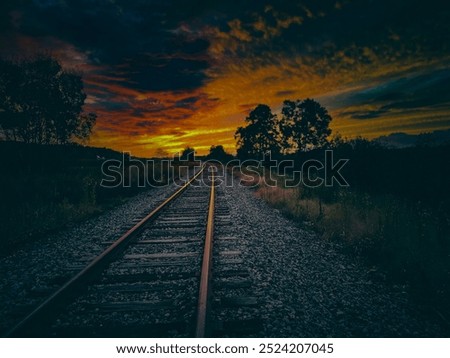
(337, 141)
(304, 124)
(261, 134)
(85, 125)
(217, 152)
(40, 102)
(188, 153)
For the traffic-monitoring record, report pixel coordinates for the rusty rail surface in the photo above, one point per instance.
(202, 311)
(47, 307)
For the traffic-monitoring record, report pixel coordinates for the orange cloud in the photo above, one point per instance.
(148, 122)
(208, 70)
(237, 86)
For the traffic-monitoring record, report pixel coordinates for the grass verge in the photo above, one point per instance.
(403, 242)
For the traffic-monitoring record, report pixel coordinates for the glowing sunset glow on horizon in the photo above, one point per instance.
(161, 79)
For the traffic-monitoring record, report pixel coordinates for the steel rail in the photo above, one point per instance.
(46, 306)
(205, 278)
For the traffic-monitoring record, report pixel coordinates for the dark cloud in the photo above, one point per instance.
(389, 28)
(140, 35)
(6, 20)
(150, 64)
(187, 102)
(286, 93)
(166, 74)
(140, 113)
(146, 124)
(246, 108)
(116, 105)
(364, 114)
(160, 43)
(424, 90)
(412, 91)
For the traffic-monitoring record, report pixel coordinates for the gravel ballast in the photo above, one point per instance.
(305, 286)
(35, 271)
(309, 287)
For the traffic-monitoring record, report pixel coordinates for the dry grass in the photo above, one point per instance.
(407, 242)
(332, 220)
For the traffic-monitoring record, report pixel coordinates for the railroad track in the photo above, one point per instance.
(156, 279)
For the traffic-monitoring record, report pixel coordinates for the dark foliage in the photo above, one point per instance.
(395, 215)
(260, 136)
(305, 125)
(44, 187)
(188, 153)
(40, 102)
(218, 153)
(418, 173)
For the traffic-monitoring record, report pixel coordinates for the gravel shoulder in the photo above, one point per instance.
(35, 271)
(309, 287)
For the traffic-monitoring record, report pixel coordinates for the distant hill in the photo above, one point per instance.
(403, 140)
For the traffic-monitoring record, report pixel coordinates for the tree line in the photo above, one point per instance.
(41, 102)
(303, 125)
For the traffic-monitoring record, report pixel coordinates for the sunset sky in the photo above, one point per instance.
(162, 75)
